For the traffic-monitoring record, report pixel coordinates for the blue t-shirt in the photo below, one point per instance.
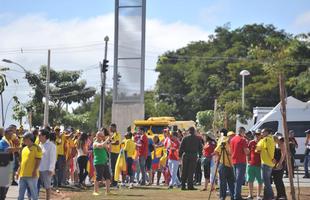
(4, 145)
(150, 144)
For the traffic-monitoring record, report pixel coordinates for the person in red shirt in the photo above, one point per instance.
(142, 145)
(207, 154)
(239, 151)
(254, 167)
(173, 160)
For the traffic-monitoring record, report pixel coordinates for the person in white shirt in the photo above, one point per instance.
(48, 161)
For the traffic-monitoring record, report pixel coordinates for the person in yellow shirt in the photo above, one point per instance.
(225, 169)
(129, 149)
(28, 171)
(59, 177)
(115, 148)
(266, 147)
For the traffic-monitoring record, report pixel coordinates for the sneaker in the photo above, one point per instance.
(170, 187)
(192, 188)
(306, 176)
(130, 185)
(95, 193)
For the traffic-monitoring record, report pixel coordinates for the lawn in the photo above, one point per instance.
(154, 193)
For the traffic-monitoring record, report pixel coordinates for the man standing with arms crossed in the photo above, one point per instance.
(239, 151)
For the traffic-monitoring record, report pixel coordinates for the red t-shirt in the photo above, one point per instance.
(208, 149)
(174, 150)
(237, 144)
(143, 149)
(254, 157)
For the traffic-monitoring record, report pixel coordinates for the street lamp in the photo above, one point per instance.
(243, 73)
(12, 62)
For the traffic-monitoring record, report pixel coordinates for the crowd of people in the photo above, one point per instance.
(53, 158)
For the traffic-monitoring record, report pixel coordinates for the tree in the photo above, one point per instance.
(65, 88)
(19, 111)
(192, 77)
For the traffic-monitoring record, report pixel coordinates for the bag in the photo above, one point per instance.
(5, 159)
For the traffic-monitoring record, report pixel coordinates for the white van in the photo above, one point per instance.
(298, 119)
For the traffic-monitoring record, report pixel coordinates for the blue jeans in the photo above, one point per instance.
(268, 193)
(306, 162)
(226, 176)
(173, 167)
(239, 171)
(142, 160)
(30, 184)
(60, 171)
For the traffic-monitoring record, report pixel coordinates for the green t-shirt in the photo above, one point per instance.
(100, 156)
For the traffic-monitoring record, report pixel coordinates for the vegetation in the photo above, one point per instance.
(193, 77)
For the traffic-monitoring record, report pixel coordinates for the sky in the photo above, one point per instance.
(74, 31)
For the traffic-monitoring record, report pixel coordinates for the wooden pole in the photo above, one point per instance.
(286, 136)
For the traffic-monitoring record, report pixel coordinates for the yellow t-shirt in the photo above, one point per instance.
(60, 144)
(266, 146)
(37, 142)
(226, 158)
(29, 156)
(116, 137)
(130, 147)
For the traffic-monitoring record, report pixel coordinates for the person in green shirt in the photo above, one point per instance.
(101, 160)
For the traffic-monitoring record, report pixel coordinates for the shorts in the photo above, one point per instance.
(45, 179)
(148, 163)
(102, 172)
(254, 172)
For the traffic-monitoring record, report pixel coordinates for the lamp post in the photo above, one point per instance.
(12, 62)
(243, 73)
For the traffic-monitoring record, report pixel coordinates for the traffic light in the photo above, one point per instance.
(118, 78)
(105, 65)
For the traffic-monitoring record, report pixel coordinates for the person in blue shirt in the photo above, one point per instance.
(6, 150)
(148, 162)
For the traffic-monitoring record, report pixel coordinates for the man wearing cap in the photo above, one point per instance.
(239, 151)
(225, 168)
(28, 171)
(266, 148)
(189, 149)
(307, 156)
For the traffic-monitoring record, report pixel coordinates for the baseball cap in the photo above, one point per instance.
(231, 133)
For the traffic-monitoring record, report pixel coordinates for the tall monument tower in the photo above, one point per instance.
(129, 62)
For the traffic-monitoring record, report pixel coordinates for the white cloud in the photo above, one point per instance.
(26, 40)
(302, 22)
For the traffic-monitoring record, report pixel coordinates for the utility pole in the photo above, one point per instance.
(47, 92)
(286, 137)
(103, 71)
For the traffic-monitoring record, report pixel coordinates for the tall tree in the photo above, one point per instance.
(65, 88)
